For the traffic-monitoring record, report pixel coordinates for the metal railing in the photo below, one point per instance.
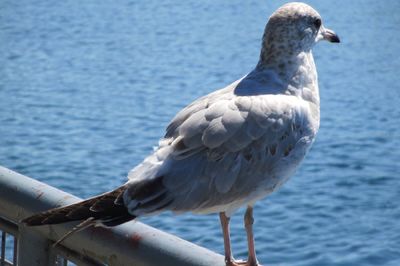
(132, 243)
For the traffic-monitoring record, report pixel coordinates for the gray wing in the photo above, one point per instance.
(211, 145)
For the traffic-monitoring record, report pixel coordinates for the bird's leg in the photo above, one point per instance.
(248, 224)
(229, 260)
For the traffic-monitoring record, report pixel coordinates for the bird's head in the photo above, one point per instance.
(296, 27)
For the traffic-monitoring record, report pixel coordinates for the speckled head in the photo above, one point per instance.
(293, 28)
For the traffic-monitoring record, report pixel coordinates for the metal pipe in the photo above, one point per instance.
(132, 243)
(34, 249)
(3, 248)
(8, 228)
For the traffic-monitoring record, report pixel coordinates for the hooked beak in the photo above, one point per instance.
(329, 35)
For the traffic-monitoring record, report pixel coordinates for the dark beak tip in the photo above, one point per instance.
(330, 36)
(335, 39)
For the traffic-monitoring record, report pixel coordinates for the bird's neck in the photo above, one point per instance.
(297, 75)
(296, 70)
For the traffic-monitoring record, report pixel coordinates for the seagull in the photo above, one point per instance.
(229, 148)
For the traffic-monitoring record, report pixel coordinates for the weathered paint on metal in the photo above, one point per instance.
(132, 243)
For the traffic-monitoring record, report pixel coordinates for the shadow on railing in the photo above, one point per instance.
(132, 243)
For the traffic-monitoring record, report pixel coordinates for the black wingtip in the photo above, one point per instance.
(105, 206)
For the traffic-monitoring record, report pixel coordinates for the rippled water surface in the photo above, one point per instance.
(87, 88)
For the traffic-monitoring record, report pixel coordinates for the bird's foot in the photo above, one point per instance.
(235, 262)
(241, 263)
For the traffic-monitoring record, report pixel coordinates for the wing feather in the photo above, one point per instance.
(212, 146)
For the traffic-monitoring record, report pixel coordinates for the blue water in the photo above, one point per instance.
(87, 88)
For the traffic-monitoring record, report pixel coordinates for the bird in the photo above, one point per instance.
(227, 149)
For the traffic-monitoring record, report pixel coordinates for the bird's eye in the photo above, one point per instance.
(317, 23)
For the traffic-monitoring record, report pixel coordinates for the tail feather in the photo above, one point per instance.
(83, 225)
(107, 207)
